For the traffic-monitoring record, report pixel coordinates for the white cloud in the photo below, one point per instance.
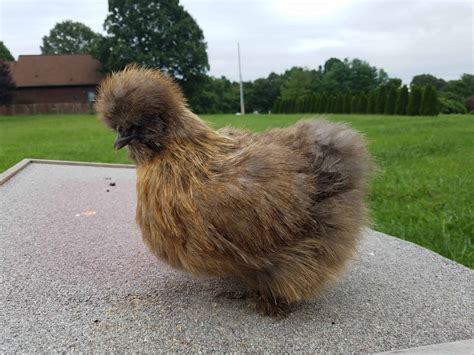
(305, 45)
(405, 37)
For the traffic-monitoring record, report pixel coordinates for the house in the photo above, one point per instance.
(55, 79)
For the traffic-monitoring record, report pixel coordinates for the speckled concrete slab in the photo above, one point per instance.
(75, 276)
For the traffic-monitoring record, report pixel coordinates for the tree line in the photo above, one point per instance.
(161, 33)
(392, 101)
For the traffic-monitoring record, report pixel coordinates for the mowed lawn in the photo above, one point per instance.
(423, 192)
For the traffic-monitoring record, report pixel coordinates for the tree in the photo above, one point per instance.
(5, 54)
(394, 82)
(155, 33)
(338, 104)
(331, 104)
(451, 106)
(330, 63)
(70, 37)
(276, 106)
(217, 95)
(7, 85)
(347, 103)
(428, 79)
(324, 104)
(391, 101)
(316, 104)
(402, 101)
(469, 103)
(458, 88)
(468, 80)
(381, 100)
(355, 104)
(414, 101)
(371, 102)
(362, 104)
(429, 102)
(299, 105)
(298, 82)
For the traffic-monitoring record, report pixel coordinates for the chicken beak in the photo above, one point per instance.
(121, 142)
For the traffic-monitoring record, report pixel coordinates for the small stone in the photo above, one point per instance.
(112, 184)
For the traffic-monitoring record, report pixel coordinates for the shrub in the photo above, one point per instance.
(469, 104)
(448, 106)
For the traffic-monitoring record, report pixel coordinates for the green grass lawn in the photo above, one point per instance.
(423, 193)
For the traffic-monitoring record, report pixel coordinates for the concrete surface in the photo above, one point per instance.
(463, 347)
(75, 276)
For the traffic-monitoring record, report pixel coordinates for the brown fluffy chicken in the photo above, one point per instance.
(281, 210)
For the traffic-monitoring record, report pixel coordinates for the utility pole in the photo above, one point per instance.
(242, 106)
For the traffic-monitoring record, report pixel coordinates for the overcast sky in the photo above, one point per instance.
(403, 37)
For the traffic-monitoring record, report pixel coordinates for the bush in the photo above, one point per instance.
(451, 106)
(469, 104)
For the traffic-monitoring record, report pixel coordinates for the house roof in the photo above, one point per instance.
(55, 70)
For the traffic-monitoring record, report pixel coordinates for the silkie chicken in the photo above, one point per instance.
(281, 210)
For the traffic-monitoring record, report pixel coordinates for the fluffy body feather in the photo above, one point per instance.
(281, 210)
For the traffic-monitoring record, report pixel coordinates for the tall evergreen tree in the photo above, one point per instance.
(294, 105)
(276, 108)
(307, 104)
(339, 104)
(414, 101)
(354, 106)
(429, 102)
(299, 105)
(323, 104)
(347, 103)
(362, 104)
(371, 102)
(391, 101)
(381, 99)
(315, 103)
(331, 104)
(402, 101)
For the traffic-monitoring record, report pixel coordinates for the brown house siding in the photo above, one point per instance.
(51, 94)
(53, 84)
